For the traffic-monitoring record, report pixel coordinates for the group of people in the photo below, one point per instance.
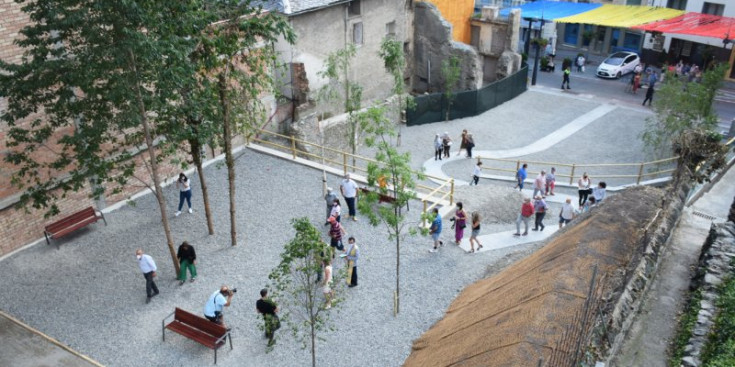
(459, 223)
(443, 144)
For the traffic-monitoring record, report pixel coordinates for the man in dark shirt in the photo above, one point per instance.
(268, 309)
(187, 260)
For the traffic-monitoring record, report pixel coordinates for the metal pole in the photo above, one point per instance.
(527, 45)
(535, 65)
(571, 176)
(293, 146)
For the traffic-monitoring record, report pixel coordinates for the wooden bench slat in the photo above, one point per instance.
(71, 223)
(68, 229)
(206, 340)
(86, 213)
(200, 323)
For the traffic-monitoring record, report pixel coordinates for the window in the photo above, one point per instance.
(614, 38)
(571, 33)
(390, 29)
(712, 8)
(357, 33)
(677, 4)
(353, 9)
(628, 60)
(632, 41)
(633, 2)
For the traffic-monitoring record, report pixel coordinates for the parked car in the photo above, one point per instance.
(618, 64)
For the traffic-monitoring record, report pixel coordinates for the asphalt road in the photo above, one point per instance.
(614, 90)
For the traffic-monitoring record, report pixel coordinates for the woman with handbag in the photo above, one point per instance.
(460, 222)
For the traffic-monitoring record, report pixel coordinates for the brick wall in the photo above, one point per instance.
(19, 227)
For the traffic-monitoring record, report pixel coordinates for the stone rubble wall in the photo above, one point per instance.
(714, 265)
(621, 308)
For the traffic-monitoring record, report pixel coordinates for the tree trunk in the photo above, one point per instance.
(731, 216)
(154, 166)
(229, 159)
(398, 273)
(313, 343)
(196, 155)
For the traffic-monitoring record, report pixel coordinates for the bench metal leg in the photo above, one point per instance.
(103, 218)
(46, 235)
(215, 355)
(229, 336)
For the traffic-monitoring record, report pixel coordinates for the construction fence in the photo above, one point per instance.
(433, 107)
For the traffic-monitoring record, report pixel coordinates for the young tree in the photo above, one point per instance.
(682, 106)
(337, 72)
(294, 280)
(96, 72)
(451, 71)
(391, 51)
(391, 176)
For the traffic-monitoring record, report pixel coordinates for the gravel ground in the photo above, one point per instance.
(90, 295)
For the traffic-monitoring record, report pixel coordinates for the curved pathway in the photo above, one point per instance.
(500, 240)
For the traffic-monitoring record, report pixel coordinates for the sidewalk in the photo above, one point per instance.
(653, 330)
(23, 346)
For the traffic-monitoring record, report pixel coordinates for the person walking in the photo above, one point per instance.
(521, 176)
(539, 184)
(462, 142)
(476, 173)
(565, 75)
(580, 63)
(524, 216)
(330, 197)
(187, 260)
(438, 147)
(475, 232)
(348, 187)
(335, 234)
(327, 284)
(599, 192)
(269, 309)
(550, 182)
(446, 144)
(351, 256)
(436, 230)
(148, 268)
(184, 187)
(460, 222)
(336, 211)
(470, 145)
(216, 303)
(651, 84)
(583, 188)
(539, 206)
(636, 82)
(566, 214)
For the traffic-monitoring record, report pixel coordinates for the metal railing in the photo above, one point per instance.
(643, 171)
(434, 191)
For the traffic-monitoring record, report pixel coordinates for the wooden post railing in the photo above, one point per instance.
(640, 174)
(571, 176)
(293, 146)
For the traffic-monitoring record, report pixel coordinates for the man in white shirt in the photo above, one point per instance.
(348, 188)
(148, 268)
(539, 184)
(567, 213)
(216, 304)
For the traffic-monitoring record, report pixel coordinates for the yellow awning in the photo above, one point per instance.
(622, 16)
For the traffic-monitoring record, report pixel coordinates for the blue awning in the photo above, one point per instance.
(550, 10)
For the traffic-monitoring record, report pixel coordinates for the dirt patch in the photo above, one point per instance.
(519, 315)
(496, 204)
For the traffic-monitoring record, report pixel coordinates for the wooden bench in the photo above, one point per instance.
(69, 224)
(198, 329)
(381, 197)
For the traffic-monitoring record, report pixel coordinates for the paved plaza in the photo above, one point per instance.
(90, 295)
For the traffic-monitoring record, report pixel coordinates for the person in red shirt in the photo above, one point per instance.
(525, 217)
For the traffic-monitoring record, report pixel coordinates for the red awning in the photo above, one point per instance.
(695, 24)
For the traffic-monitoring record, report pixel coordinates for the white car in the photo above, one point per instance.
(618, 64)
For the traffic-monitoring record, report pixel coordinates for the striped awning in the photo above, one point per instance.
(696, 24)
(622, 16)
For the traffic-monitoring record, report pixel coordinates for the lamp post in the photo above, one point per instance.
(535, 59)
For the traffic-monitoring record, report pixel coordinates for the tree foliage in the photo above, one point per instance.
(294, 280)
(451, 70)
(394, 60)
(682, 106)
(391, 175)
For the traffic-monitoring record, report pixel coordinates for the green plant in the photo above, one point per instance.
(544, 62)
(719, 350)
(296, 288)
(451, 70)
(687, 320)
(540, 42)
(394, 169)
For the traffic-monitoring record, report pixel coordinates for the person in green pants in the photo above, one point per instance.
(187, 260)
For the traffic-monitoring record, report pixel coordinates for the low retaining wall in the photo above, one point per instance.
(714, 264)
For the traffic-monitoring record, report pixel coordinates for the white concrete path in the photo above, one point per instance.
(434, 168)
(505, 239)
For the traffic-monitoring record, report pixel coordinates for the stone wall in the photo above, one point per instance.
(433, 45)
(621, 305)
(497, 42)
(714, 265)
